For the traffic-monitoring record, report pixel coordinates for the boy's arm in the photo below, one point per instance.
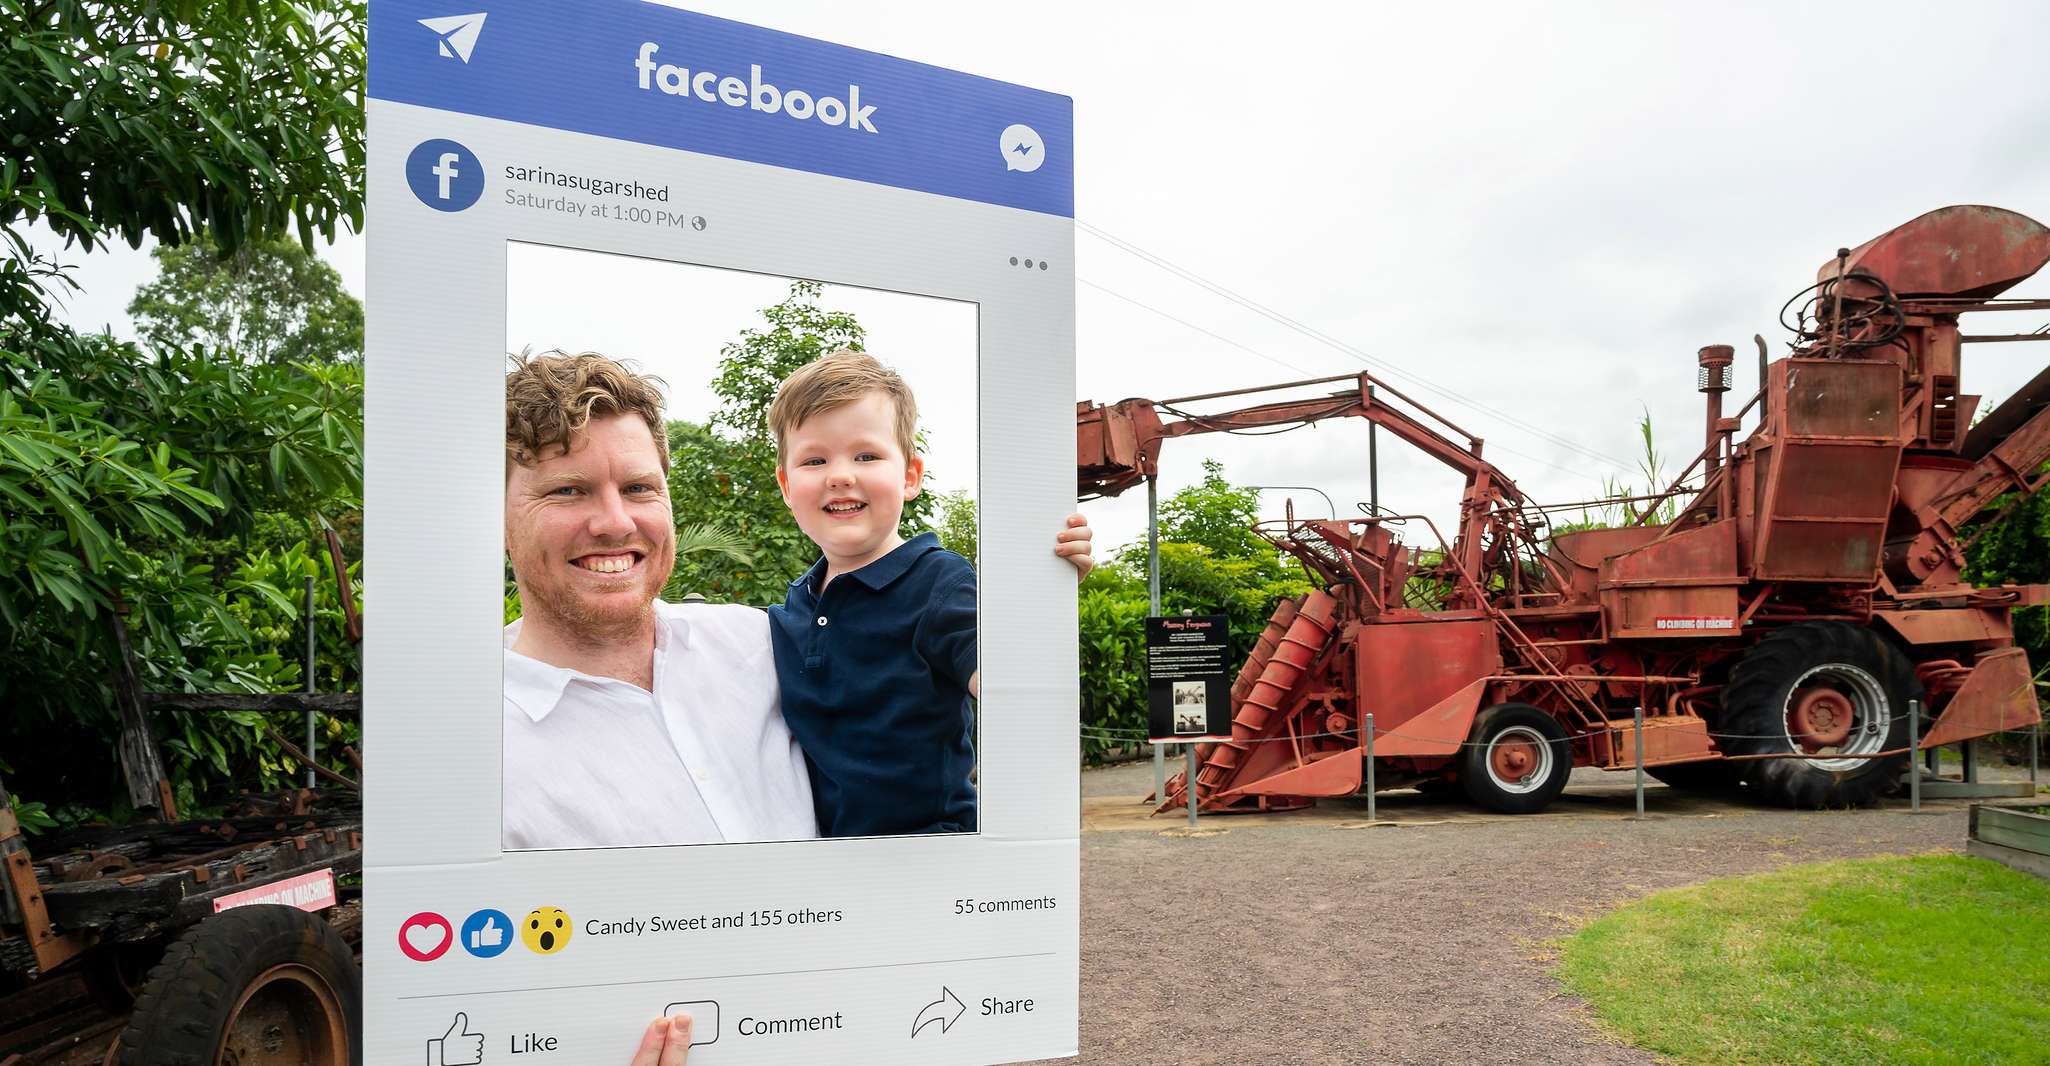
(1074, 543)
(945, 637)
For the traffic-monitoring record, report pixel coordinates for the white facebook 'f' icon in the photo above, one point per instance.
(445, 169)
(444, 175)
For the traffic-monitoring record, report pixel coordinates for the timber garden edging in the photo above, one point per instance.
(2013, 836)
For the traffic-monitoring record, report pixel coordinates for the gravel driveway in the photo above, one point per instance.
(1310, 937)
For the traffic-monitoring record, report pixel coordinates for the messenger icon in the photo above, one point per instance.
(1022, 148)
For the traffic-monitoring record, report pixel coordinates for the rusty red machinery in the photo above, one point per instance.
(1776, 631)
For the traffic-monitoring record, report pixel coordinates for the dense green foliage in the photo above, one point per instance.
(1210, 563)
(179, 479)
(183, 484)
(1889, 960)
(2012, 547)
(180, 118)
(958, 524)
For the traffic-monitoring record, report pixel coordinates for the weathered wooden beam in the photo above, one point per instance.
(338, 704)
(141, 767)
(141, 905)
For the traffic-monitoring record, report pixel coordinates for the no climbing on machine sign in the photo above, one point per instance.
(1188, 679)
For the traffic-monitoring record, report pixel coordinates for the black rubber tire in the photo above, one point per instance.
(1755, 714)
(1480, 785)
(185, 1004)
(1712, 776)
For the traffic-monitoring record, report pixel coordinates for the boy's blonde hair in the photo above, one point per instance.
(834, 381)
(550, 397)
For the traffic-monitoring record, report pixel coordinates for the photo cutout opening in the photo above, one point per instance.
(740, 537)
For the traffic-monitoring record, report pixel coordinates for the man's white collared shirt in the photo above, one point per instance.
(595, 762)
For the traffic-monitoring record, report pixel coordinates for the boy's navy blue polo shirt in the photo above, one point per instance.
(874, 679)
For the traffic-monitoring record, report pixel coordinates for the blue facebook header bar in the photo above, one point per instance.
(642, 72)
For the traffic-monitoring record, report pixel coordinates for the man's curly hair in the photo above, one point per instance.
(550, 397)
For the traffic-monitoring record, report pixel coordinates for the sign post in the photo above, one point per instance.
(1188, 686)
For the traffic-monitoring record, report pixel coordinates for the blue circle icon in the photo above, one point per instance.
(445, 175)
(487, 933)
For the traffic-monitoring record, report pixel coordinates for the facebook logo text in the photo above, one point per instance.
(445, 175)
(754, 93)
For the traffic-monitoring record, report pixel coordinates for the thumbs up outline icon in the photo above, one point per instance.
(457, 1047)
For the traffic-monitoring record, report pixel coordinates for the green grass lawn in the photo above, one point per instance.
(1929, 959)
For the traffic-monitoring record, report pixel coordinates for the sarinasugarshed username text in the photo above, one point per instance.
(596, 186)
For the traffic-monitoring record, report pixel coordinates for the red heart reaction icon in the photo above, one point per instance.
(425, 936)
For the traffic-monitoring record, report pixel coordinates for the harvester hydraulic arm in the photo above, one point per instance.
(1118, 445)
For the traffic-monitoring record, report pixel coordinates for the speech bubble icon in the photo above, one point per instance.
(1022, 149)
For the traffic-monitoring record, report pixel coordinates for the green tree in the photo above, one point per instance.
(167, 479)
(1216, 514)
(2011, 546)
(177, 118)
(271, 301)
(1210, 563)
(958, 524)
(180, 487)
(723, 472)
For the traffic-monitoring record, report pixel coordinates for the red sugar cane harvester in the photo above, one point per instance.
(1774, 632)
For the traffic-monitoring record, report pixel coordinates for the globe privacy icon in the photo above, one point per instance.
(445, 175)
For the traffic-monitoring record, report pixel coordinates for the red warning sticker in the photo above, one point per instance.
(308, 892)
(1695, 622)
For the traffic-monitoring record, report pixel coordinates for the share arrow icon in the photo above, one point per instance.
(945, 1010)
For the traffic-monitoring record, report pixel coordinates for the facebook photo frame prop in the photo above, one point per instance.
(631, 130)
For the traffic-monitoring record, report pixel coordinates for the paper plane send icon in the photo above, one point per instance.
(458, 33)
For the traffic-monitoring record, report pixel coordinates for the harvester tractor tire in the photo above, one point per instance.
(261, 983)
(1820, 689)
(1516, 760)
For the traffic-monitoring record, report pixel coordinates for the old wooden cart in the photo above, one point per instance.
(188, 941)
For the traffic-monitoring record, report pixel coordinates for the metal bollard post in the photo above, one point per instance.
(1189, 786)
(1370, 767)
(1914, 746)
(1638, 720)
(1153, 608)
(312, 661)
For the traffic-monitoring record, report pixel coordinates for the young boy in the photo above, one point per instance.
(875, 644)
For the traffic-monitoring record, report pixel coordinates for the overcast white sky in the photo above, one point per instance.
(1542, 210)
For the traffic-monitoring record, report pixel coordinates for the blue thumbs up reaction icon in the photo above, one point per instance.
(487, 933)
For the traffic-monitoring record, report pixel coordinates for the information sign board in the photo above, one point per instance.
(1188, 678)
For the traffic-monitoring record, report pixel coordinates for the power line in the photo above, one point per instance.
(1191, 325)
(1334, 343)
(1142, 305)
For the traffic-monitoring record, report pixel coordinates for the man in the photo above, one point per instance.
(630, 721)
